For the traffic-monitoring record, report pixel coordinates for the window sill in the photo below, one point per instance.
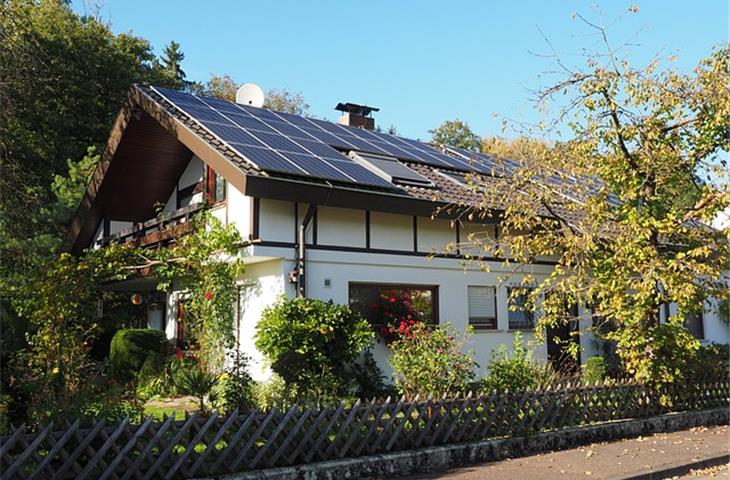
(478, 329)
(528, 330)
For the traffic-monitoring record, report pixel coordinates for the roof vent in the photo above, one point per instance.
(355, 115)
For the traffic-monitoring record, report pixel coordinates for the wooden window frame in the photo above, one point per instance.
(210, 187)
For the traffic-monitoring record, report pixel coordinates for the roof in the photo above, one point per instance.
(272, 155)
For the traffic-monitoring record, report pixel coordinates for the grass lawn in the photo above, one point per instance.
(160, 407)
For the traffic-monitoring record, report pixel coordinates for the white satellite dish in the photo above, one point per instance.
(250, 94)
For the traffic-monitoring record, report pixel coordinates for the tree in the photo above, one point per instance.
(603, 204)
(280, 100)
(171, 61)
(64, 77)
(455, 133)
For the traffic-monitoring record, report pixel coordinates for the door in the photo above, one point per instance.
(559, 339)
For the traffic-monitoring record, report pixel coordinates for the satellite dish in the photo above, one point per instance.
(250, 94)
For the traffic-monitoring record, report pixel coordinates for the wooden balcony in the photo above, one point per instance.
(159, 231)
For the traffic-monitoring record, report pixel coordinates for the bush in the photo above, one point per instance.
(430, 361)
(235, 387)
(514, 372)
(710, 363)
(309, 343)
(129, 349)
(274, 393)
(594, 370)
(198, 382)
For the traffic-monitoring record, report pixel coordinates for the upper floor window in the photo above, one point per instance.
(215, 187)
(383, 304)
(482, 303)
(520, 318)
(695, 324)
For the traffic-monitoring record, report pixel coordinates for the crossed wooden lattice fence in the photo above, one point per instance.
(218, 444)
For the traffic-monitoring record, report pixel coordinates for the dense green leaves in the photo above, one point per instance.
(455, 133)
(310, 343)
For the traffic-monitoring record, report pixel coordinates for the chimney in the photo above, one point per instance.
(355, 115)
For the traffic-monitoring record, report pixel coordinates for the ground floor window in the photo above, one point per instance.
(482, 307)
(695, 324)
(519, 317)
(383, 304)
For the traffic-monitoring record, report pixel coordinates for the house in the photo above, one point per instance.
(335, 211)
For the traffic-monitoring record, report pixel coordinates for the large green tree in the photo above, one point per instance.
(604, 204)
(64, 77)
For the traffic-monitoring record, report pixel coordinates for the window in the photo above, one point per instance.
(520, 319)
(215, 187)
(695, 324)
(483, 307)
(382, 304)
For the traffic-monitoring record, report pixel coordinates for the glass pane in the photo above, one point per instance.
(220, 188)
(520, 318)
(381, 304)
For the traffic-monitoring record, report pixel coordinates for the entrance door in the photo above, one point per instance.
(559, 339)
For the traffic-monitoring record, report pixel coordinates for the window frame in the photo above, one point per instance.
(483, 326)
(511, 312)
(701, 319)
(400, 286)
(211, 177)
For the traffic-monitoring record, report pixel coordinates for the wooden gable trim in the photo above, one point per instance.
(136, 102)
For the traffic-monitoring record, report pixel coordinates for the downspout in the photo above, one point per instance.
(301, 270)
(302, 251)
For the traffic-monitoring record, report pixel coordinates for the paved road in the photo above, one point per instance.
(620, 459)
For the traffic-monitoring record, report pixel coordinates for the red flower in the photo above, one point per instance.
(208, 295)
(392, 299)
(373, 305)
(401, 329)
(411, 322)
(384, 330)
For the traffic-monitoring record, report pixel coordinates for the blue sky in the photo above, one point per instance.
(421, 62)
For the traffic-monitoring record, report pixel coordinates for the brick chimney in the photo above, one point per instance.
(355, 115)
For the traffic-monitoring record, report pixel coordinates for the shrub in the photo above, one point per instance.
(198, 382)
(594, 370)
(430, 361)
(129, 349)
(368, 378)
(309, 343)
(235, 387)
(710, 362)
(274, 393)
(517, 371)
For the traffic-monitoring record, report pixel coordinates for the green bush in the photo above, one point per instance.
(235, 389)
(431, 361)
(130, 348)
(514, 372)
(198, 382)
(594, 370)
(309, 343)
(274, 392)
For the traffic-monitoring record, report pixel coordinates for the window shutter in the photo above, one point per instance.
(483, 306)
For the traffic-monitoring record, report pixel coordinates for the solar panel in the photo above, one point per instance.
(391, 168)
(270, 141)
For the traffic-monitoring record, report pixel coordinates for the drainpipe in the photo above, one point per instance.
(302, 251)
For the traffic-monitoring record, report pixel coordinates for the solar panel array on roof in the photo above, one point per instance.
(276, 136)
(270, 142)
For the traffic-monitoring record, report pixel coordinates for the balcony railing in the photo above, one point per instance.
(160, 230)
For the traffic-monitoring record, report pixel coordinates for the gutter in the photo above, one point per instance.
(301, 271)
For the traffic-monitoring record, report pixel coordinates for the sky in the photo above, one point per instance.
(420, 62)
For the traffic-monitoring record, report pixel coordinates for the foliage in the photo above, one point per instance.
(171, 61)
(55, 102)
(236, 387)
(130, 349)
(275, 392)
(432, 361)
(154, 379)
(711, 362)
(455, 133)
(595, 370)
(309, 342)
(513, 372)
(280, 100)
(400, 311)
(368, 378)
(604, 204)
(195, 380)
(205, 264)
